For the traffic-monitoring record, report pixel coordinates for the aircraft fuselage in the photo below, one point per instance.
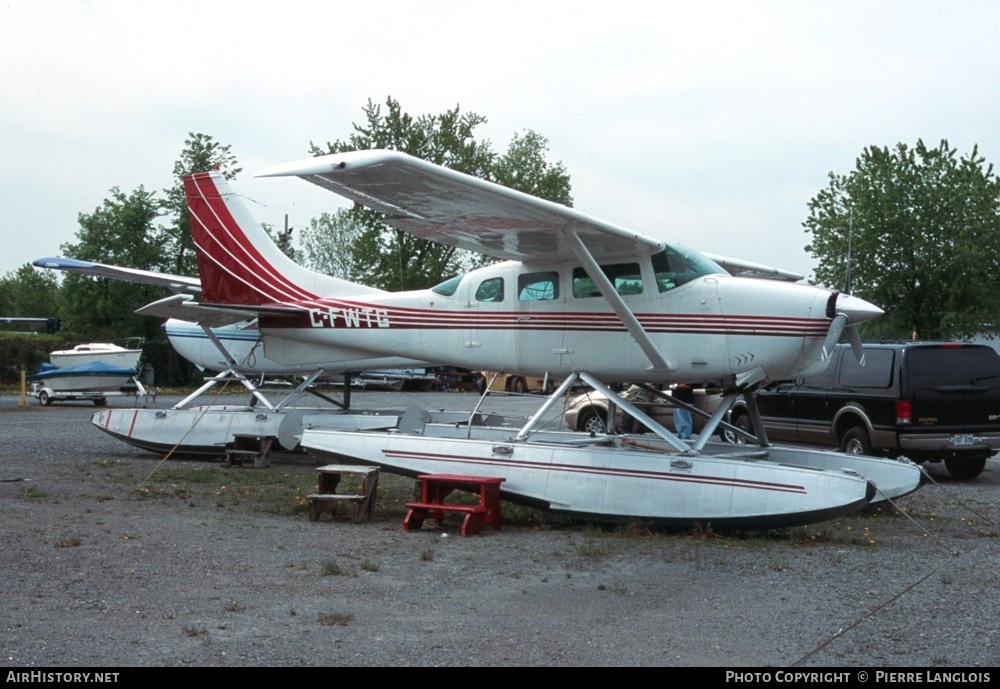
(551, 318)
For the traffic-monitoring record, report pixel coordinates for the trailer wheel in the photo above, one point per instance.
(44, 398)
(101, 402)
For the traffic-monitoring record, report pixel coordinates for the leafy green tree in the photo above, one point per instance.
(201, 153)
(326, 244)
(925, 238)
(122, 231)
(29, 293)
(392, 259)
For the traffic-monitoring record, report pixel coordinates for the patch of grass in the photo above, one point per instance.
(593, 550)
(703, 532)
(331, 569)
(187, 475)
(34, 493)
(234, 606)
(69, 542)
(427, 555)
(193, 630)
(369, 566)
(274, 490)
(331, 619)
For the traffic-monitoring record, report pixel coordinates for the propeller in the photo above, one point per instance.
(847, 313)
(833, 335)
(850, 311)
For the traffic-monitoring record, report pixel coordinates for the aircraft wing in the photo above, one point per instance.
(745, 269)
(175, 283)
(436, 203)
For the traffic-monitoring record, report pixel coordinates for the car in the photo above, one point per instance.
(588, 411)
(515, 382)
(927, 401)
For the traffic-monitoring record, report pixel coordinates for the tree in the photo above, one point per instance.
(122, 231)
(926, 238)
(327, 242)
(392, 259)
(201, 153)
(29, 293)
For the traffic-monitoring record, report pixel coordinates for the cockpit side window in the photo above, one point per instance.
(675, 266)
(626, 278)
(538, 286)
(490, 290)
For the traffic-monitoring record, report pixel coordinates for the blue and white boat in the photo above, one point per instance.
(97, 376)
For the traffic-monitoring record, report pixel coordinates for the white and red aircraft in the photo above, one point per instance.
(574, 297)
(574, 293)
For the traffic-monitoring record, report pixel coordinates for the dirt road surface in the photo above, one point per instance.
(112, 558)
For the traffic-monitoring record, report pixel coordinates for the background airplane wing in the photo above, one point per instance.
(745, 269)
(442, 205)
(175, 283)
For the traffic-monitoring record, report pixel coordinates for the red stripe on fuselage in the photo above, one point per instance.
(347, 314)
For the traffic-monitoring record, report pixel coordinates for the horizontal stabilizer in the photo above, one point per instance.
(175, 283)
(183, 307)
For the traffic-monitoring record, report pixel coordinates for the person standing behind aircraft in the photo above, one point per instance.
(683, 422)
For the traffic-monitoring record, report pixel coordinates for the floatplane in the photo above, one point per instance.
(579, 298)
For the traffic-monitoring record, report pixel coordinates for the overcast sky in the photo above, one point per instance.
(710, 125)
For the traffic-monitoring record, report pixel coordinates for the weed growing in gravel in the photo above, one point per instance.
(332, 569)
(369, 566)
(34, 493)
(427, 555)
(193, 630)
(68, 542)
(331, 619)
(594, 551)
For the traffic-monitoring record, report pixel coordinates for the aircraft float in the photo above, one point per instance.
(571, 295)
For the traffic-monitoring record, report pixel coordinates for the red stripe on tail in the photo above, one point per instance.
(232, 268)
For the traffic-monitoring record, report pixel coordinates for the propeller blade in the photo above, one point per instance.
(833, 335)
(854, 337)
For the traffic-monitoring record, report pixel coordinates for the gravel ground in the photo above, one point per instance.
(101, 570)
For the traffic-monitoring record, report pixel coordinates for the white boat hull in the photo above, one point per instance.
(88, 354)
(615, 483)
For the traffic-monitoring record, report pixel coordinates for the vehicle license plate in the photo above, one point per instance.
(962, 439)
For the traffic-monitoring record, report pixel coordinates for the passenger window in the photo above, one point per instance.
(876, 373)
(538, 286)
(490, 290)
(625, 277)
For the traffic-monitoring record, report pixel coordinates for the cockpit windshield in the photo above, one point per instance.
(676, 266)
(448, 287)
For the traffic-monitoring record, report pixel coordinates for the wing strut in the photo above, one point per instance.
(618, 305)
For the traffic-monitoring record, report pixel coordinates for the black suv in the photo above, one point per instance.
(921, 400)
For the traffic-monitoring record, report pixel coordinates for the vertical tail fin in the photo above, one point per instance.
(237, 262)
